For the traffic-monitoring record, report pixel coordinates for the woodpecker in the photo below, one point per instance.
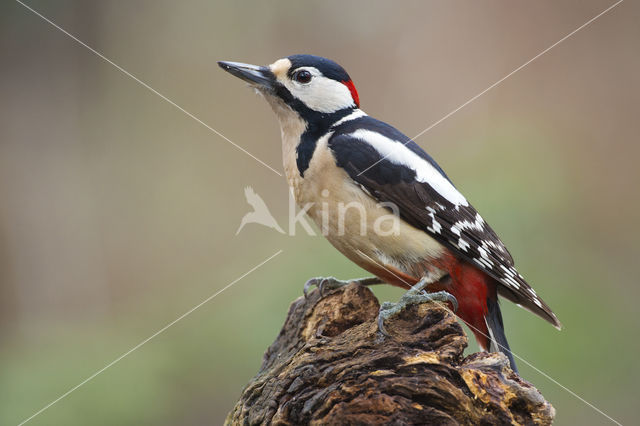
(335, 154)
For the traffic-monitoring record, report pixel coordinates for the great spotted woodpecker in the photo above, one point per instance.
(335, 154)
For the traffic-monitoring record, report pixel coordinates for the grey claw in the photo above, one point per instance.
(310, 283)
(330, 283)
(388, 309)
(444, 296)
(322, 284)
(381, 326)
(382, 316)
(454, 302)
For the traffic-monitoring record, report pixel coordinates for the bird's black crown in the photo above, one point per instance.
(327, 67)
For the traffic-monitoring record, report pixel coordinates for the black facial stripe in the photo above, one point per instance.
(297, 105)
(318, 123)
(316, 128)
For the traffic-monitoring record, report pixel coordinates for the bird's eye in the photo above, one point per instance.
(302, 76)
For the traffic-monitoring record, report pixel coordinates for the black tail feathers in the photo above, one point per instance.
(497, 339)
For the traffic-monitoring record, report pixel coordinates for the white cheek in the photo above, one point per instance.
(322, 94)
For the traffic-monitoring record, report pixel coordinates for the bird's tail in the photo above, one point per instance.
(497, 339)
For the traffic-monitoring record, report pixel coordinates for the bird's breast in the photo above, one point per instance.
(352, 220)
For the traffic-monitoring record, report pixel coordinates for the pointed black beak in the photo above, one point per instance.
(258, 76)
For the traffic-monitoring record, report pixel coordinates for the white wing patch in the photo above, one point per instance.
(398, 153)
(435, 227)
(465, 224)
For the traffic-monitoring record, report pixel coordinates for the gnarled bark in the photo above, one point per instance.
(331, 365)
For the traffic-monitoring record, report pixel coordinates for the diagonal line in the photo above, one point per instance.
(499, 81)
(508, 350)
(91, 377)
(145, 85)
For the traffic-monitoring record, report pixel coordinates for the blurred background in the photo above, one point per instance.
(118, 212)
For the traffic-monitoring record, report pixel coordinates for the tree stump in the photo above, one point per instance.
(331, 365)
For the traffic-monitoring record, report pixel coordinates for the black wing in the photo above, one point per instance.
(457, 226)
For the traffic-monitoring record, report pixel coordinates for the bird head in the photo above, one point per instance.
(310, 86)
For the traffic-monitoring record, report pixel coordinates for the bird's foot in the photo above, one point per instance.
(415, 295)
(325, 284)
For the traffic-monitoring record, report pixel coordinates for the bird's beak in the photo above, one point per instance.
(258, 76)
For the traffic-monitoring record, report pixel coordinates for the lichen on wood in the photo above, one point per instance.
(331, 365)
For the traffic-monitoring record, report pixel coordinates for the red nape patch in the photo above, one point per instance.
(354, 92)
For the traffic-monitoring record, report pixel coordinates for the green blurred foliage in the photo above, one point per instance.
(119, 212)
